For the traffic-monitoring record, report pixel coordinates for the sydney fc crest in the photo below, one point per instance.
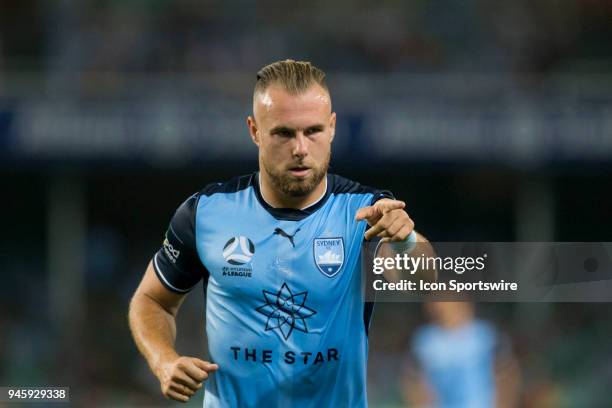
(329, 255)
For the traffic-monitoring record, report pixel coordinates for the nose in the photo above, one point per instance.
(300, 147)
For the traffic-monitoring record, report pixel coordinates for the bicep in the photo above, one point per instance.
(151, 287)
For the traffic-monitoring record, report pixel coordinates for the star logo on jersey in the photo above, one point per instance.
(286, 311)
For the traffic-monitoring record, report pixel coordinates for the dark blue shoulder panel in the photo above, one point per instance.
(231, 186)
(341, 185)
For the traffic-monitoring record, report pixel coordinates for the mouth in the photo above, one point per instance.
(299, 171)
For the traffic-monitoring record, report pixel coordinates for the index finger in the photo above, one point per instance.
(365, 213)
(388, 205)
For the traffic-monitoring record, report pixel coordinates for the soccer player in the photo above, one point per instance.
(279, 251)
(459, 361)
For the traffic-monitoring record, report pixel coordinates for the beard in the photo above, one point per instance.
(285, 182)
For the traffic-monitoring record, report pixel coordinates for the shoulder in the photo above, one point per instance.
(485, 334)
(484, 328)
(185, 213)
(423, 337)
(342, 185)
(425, 333)
(233, 185)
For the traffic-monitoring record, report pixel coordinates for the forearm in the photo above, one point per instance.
(153, 330)
(422, 248)
(508, 381)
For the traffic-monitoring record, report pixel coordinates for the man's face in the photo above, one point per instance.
(294, 135)
(450, 314)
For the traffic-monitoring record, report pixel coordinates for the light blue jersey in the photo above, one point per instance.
(459, 363)
(286, 318)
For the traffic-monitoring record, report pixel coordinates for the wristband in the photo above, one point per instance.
(407, 245)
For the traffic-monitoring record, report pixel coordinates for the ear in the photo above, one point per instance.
(253, 130)
(332, 126)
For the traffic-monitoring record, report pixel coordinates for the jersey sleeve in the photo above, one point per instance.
(177, 263)
(380, 194)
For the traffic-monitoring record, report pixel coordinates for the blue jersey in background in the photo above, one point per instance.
(458, 364)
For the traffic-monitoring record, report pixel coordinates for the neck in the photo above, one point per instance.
(455, 322)
(278, 199)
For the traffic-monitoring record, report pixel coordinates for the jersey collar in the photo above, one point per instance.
(291, 214)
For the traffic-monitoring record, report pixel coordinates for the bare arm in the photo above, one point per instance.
(507, 382)
(423, 247)
(152, 319)
(415, 389)
(152, 314)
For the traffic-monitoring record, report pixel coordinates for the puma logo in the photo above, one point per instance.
(278, 231)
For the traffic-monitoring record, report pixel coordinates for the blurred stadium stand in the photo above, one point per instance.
(492, 120)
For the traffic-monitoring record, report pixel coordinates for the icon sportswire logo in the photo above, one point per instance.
(238, 250)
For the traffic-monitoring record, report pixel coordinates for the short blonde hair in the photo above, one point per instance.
(295, 76)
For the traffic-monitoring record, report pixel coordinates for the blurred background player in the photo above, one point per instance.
(459, 361)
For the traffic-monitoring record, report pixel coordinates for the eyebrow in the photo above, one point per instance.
(281, 128)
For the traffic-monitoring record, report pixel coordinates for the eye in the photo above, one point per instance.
(313, 130)
(283, 132)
